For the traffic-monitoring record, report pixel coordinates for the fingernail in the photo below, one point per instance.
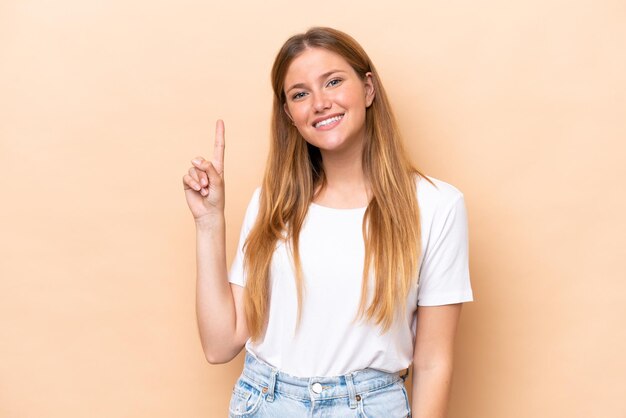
(204, 182)
(196, 187)
(196, 161)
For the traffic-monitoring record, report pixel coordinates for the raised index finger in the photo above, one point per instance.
(218, 150)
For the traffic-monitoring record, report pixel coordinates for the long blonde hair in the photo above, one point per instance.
(294, 170)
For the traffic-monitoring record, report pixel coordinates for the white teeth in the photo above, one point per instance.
(327, 121)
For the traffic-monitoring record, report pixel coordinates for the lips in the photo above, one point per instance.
(327, 120)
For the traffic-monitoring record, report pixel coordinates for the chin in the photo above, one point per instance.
(332, 146)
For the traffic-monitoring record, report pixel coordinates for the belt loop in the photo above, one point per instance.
(351, 391)
(272, 384)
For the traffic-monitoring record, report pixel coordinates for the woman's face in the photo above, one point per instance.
(326, 100)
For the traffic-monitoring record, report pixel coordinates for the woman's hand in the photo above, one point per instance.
(204, 184)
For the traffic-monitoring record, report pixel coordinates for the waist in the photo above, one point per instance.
(327, 387)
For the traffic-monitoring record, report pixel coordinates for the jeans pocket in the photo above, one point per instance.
(388, 402)
(406, 398)
(245, 399)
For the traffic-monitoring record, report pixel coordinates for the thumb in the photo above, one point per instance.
(215, 177)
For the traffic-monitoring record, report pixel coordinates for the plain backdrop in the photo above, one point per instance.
(520, 104)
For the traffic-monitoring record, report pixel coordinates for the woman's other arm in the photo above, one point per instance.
(433, 359)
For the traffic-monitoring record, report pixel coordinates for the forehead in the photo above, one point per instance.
(312, 63)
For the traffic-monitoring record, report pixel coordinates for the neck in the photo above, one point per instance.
(346, 185)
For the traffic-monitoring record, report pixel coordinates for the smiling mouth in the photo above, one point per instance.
(328, 121)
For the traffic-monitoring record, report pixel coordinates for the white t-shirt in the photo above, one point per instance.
(332, 250)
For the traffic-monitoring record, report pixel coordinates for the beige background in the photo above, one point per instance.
(519, 104)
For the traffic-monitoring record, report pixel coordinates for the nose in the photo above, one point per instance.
(321, 102)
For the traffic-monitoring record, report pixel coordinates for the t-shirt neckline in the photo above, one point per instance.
(317, 205)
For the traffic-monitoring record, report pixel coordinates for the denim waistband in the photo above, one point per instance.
(317, 388)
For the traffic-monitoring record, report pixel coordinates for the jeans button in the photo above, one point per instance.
(316, 387)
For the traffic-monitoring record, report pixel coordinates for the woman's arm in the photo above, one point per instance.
(433, 359)
(219, 305)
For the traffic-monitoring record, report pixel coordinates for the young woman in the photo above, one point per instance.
(351, 265)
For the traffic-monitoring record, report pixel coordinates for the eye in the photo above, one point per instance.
(298, 95)
(334, 82)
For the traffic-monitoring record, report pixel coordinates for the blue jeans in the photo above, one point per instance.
(265, 392)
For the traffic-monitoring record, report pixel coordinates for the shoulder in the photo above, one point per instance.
(437, 194)
(256, 196)
(253, 208)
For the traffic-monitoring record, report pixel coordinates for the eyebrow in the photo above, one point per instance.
(326, 74)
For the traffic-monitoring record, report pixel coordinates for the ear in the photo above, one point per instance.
(370, 92)
(286, 109)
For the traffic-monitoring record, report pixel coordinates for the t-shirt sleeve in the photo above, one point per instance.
(444, 272)
(236, 274)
